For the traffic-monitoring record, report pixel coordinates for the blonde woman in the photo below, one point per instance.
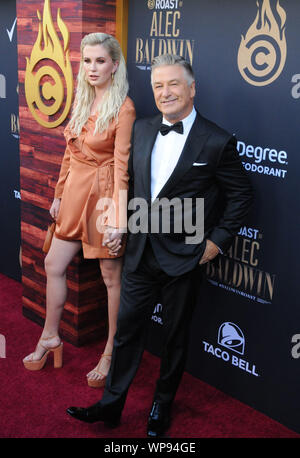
(94, 167)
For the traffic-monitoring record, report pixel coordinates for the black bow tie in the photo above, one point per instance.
(178, 127)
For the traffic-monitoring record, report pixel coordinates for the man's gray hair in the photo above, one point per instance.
(173, 59)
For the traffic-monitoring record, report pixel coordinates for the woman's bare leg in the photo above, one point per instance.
(111, 270)
(57, 260)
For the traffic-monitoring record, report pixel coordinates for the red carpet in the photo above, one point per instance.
(33, 403)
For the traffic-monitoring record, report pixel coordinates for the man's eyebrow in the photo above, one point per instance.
(170, 81)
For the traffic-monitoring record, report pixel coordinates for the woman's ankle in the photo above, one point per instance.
(49, 336)
(108, 349)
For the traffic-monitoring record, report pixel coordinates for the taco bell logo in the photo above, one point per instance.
(231, 337)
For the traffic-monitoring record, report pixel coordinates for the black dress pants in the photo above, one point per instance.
(139, 294)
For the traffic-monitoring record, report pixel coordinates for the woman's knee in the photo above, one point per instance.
(111, 275)
(53, 267)
(111, 279)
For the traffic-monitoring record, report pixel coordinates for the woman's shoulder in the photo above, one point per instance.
(127, 105)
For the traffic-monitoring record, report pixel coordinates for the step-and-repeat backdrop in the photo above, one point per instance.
(246, 56)
(9, 143)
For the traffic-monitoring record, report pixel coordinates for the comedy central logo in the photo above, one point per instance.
(164, 4)
(262, 51)
(151, 4)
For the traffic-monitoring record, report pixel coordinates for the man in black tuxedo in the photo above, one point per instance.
(187, 158)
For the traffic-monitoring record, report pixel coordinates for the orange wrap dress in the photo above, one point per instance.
(93, 181)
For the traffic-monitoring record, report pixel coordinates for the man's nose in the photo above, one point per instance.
(166, 91)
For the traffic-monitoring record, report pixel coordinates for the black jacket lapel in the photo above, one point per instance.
(193, 145)
(150, 137)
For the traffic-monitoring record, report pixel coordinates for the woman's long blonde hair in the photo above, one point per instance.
(85, 93)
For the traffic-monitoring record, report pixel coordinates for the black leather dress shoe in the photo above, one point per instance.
(159, 419)
(94, 413)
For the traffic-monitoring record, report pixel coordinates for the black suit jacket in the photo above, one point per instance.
(222, 182)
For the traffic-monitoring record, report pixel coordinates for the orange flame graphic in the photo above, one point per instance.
(54, 93)
(262, 52)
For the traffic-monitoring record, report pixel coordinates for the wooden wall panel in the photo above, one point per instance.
(41, 151)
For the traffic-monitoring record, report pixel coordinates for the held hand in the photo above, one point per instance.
(211, 251)
(112, 238)
(54, 209)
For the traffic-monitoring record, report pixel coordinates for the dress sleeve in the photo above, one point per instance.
(64, 169)
(122, 146)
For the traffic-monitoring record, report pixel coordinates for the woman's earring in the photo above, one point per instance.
(112, 76)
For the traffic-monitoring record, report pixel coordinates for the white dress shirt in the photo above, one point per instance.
(166, 153)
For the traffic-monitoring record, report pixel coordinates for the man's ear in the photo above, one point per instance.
(193, 89)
